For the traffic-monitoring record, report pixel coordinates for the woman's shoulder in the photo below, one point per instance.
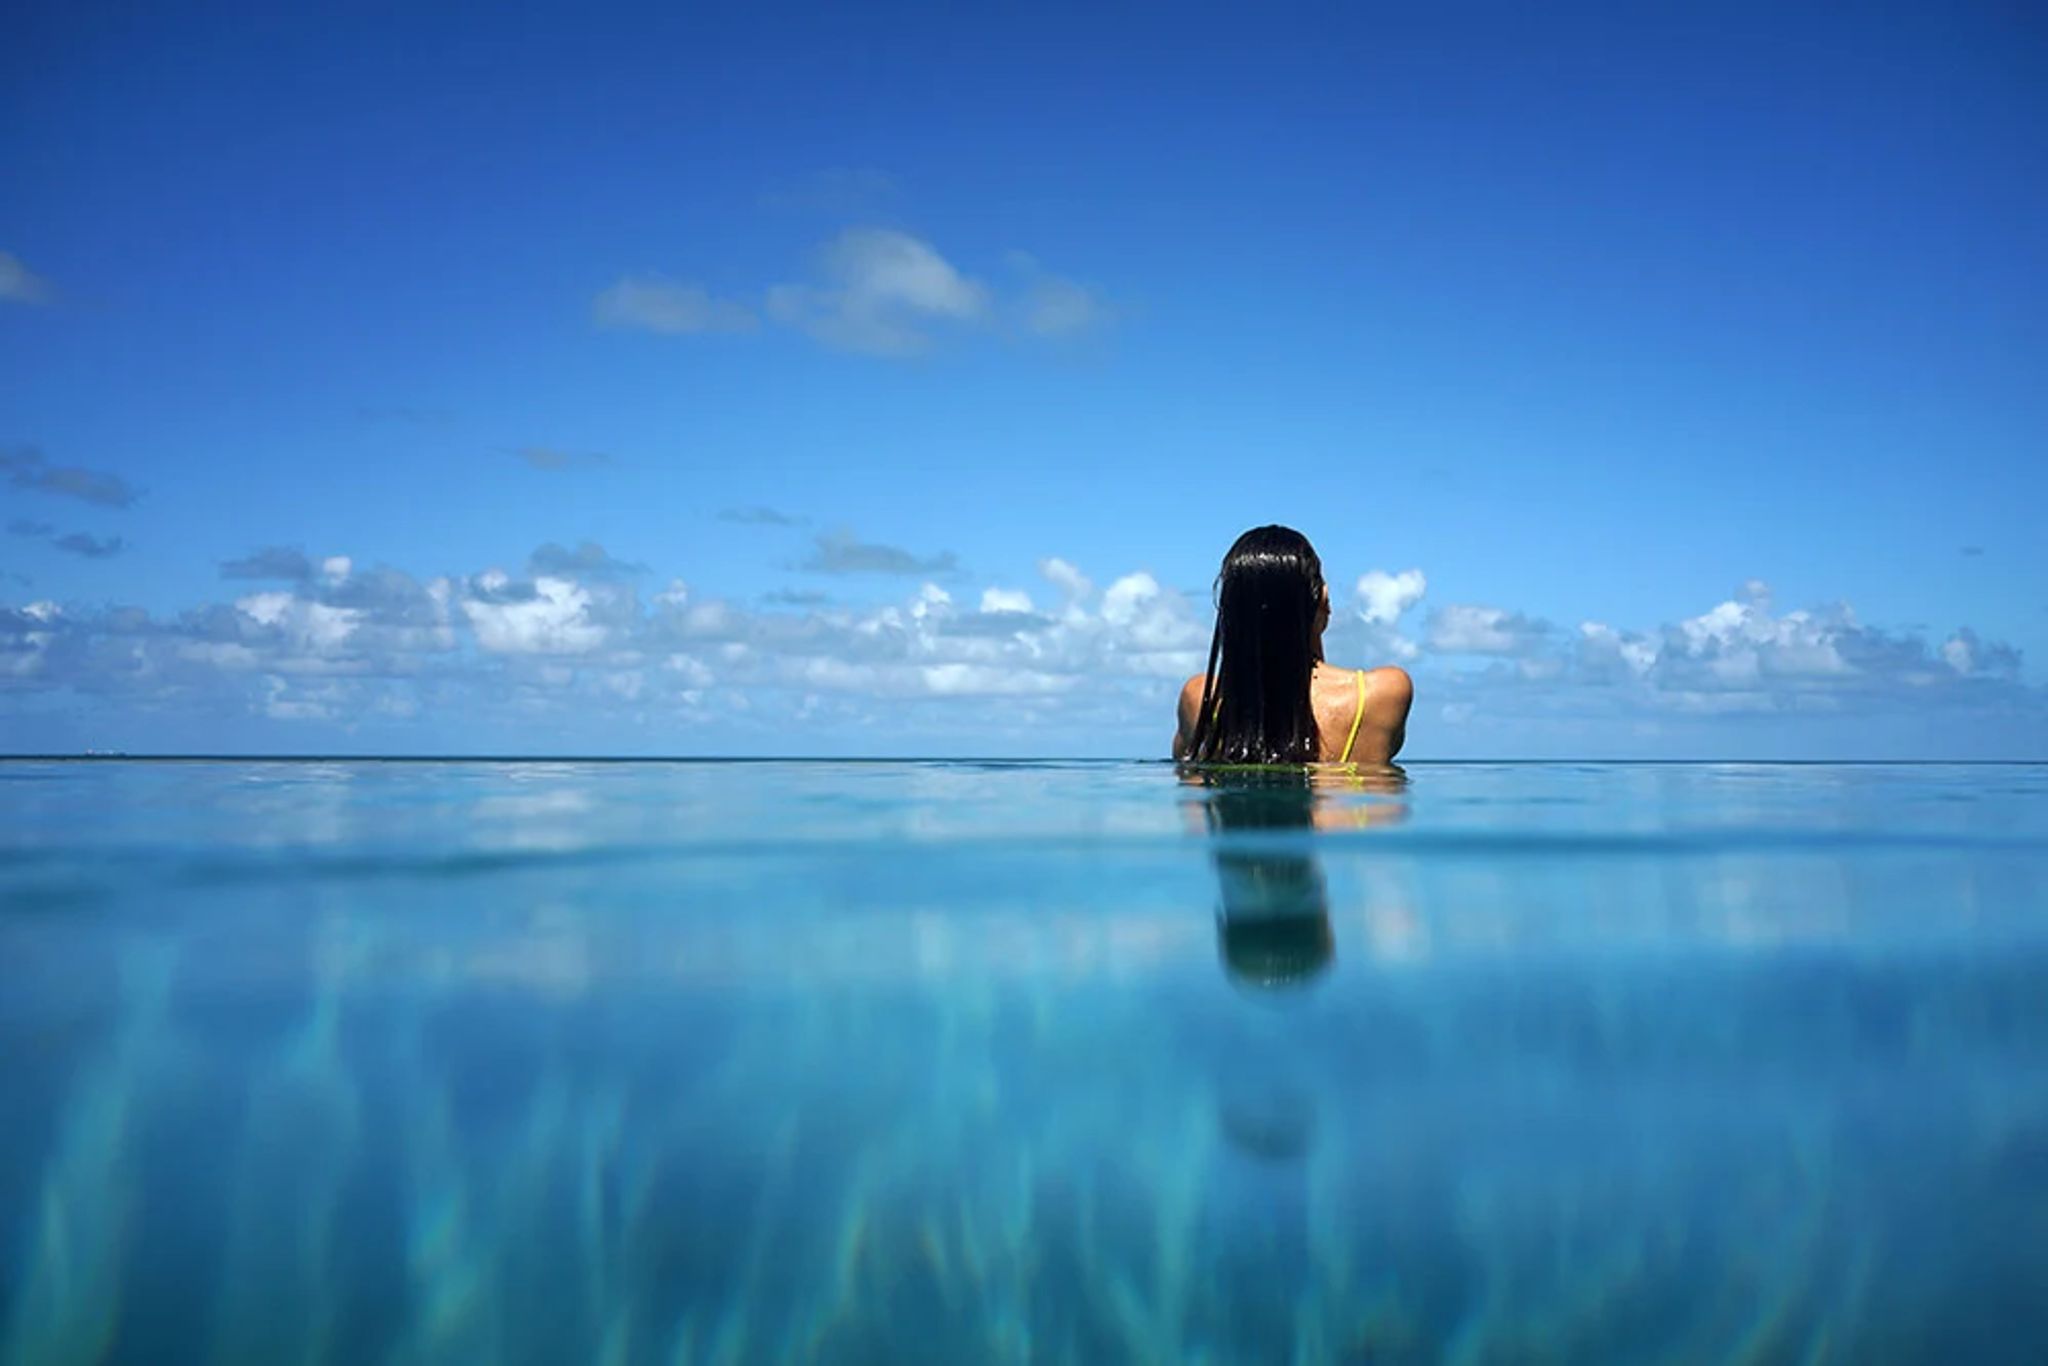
(1386, 691)
(1389, 681)
(1388, 676)
(1389, 692)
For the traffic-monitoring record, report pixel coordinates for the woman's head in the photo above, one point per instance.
(1271, 608)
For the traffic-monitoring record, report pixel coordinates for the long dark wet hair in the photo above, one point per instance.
(1255, 702)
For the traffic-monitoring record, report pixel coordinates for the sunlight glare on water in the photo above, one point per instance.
(948, 1061)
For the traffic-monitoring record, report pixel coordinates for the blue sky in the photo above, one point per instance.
(892, 380)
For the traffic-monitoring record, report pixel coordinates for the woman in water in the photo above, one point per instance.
(1268, 697)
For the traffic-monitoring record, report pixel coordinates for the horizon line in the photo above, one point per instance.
(490, 758)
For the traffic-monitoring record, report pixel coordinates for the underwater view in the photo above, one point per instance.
(363, 1061)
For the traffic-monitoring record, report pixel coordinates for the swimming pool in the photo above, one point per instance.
(360, 1061)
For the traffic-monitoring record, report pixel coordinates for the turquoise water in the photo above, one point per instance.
(358, 1062)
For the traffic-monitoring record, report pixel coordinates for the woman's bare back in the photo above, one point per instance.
(1334, 695)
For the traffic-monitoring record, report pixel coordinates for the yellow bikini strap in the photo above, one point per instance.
(1357, 715)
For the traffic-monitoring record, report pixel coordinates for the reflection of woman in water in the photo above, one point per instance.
(1268, 697)
(1274, 924)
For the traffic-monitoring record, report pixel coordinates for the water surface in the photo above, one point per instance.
(357, 1061)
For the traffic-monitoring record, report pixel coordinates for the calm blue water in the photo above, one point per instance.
(358, 1062)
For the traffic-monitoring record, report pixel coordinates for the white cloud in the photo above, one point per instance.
(270, 562)
(328, 628)
(265, 609)
(26, 637)
(1741, 639)
(1462, 628)
(575, 645)
(653, 303)
(19, 284)
(841, 552)
(881, 267)
(1070, 581)
(307, 629)
(232, 656)
(550, 617)
(1153, 621)
(297, 699)
(1383, 597)
(1370, 627)
(1127, 597)
(25, 468)
(694, 672)
(872, 290)
(882, 291)
(987, 680)
(1634, 653)
(1054, 307)
(1965, 653)
(1743, 656)
(588, 560)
